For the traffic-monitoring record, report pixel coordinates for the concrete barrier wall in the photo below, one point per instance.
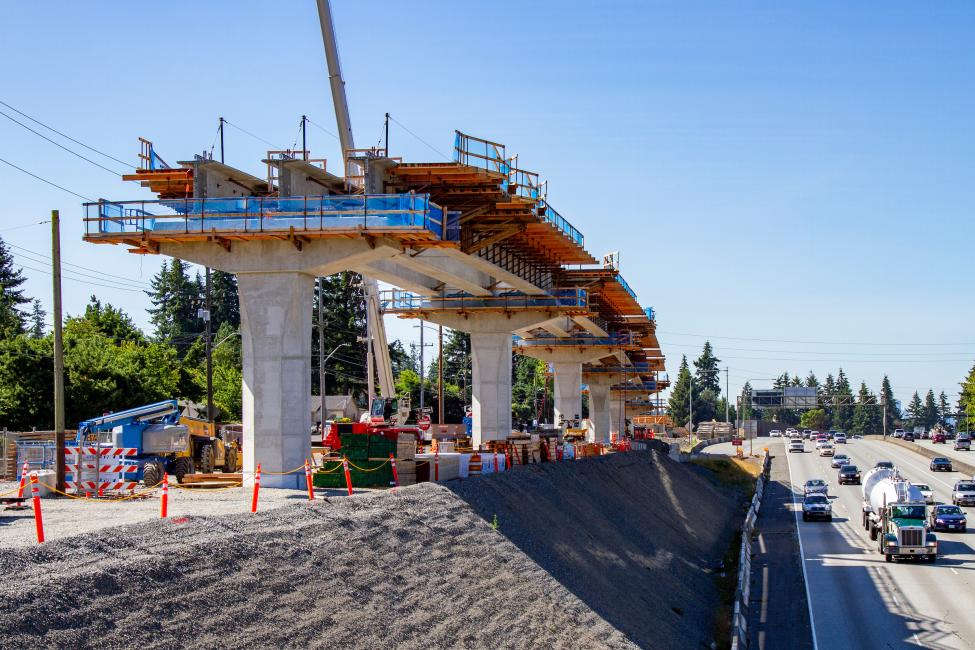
(924, 451)
(739, 617)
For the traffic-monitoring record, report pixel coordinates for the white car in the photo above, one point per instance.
(821, 442)
(839, 460)
(775, 433)
(926, 491)
(826, 449)
(792, 433)
(797, 445)
(840, 438)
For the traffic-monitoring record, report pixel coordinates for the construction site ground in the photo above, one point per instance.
(619, 551)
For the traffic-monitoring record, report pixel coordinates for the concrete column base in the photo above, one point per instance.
(275, 322)
(568, 390)
(599, 407)
(491, 367)
(617, 416)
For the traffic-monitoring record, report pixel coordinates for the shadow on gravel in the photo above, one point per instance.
(636, 536)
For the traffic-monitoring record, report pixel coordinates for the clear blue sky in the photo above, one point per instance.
(784, 171)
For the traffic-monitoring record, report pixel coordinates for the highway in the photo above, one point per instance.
(857, 599)
(948, 451)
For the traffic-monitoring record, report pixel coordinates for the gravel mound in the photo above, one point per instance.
(613, 552)
(635, 536)
(412, 569)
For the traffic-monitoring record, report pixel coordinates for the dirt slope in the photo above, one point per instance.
(636, 536)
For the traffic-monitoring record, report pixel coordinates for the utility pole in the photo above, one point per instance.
(387, 141)
(221, 139)
(304, 140)
(209, 348)
(690, 407)
(439, 374)
(58, 352)
(727, 397)
(321, 346)
(421, 366)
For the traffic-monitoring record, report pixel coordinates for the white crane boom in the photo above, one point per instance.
(377, 346)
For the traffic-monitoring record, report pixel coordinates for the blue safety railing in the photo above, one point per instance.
(651, 314)
(640, 368)
(524, 184)
(577, 341)
(256, 214)
(639, 387)
(404, 301)
(625, 285)
(547, 213)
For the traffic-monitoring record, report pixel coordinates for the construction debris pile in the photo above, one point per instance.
(415, 567)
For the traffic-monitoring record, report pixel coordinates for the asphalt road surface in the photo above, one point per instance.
(948, 450)
(857, 599)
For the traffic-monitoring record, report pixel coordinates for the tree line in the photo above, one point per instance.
(840, 408)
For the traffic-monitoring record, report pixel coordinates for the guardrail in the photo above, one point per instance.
(546, 212)
(403, 301)
(739, 617)
(256, 214)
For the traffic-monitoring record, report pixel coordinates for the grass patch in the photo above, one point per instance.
(727, 583)
(731, 472)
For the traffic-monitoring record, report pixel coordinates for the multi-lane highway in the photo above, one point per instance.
(856, 599)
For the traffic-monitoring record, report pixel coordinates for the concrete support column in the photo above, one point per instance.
(275, 322)
(491, 367)
(568, 391)
(599, 406)
(616, 414)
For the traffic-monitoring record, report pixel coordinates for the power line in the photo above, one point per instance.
(58, 144)
(44, 180)
(256, 137)
(89, 282)
(47, 258)
(430, 146)
(742, 338)
(844, 354)
(51, 128)
(26, 225)
(322, 128)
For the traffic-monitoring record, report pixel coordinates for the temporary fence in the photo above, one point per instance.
(739, 617)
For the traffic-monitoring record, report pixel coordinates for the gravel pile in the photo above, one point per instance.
(608, 553)
(636, 536)
(413, 569)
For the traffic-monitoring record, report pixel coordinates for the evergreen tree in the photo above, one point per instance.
(931, 413)
(37, 318)
(811, 380)
(890, 404)
(944, 409)
(679, 395)
(11, 295)
(706, 371)
(966, 401)
(867, 415)
(344, 320)
(843, 415)
(796, 381)
(827, 394)
(747, 412)
(110, 321)
(175, 299)
(915, 411)
(224, 303)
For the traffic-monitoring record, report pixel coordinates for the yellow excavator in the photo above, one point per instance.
(211, 448)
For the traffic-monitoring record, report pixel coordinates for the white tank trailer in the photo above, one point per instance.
(895, 514)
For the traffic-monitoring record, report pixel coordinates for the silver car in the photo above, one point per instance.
(839, 460)
(815, 486)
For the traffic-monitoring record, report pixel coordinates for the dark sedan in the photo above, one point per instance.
(940, 464)
(848, 474)
(948, 518)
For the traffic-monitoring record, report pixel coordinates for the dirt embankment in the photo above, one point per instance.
(636, 536)
(606, 553)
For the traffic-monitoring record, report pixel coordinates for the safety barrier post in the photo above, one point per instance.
(257, 488)
(392, 460)
(23, 481)
(496, 469)
(164, 499)
(38, 518)
(436, 465)
(348, 476)
(308, 481)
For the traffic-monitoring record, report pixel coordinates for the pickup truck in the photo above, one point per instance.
(963, 444)
(964, 493)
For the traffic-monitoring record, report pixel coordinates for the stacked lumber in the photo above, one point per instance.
(406, 459)
(8, 448)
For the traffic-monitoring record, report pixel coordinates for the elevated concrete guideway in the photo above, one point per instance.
(475, 241)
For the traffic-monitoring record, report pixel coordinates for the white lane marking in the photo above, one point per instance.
(917, 640)
(924, 471)
(802, 555)
(896, 602)
(953, 571)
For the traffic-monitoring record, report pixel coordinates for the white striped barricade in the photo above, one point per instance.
(100, 469)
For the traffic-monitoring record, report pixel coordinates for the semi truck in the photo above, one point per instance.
(895, 515)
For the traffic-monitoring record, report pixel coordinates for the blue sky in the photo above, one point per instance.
(791, 172)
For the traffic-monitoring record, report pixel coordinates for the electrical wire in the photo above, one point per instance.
(430, 146)
(89, 282)
(63, 135)
(965, 354)
(44, 180)
(26, 225)
(58, 144)
(256, 137)
(47, 258)
(322, 128)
